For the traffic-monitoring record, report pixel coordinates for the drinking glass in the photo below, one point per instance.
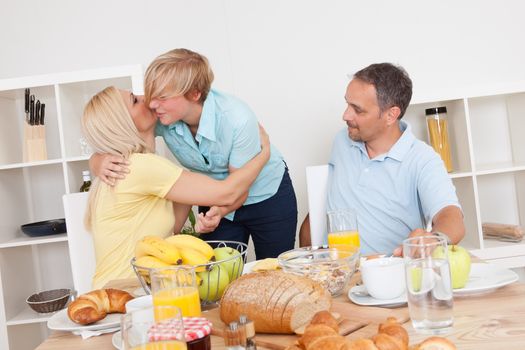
(176, 285)
(142, 331)
(429, 285)
(342, 229)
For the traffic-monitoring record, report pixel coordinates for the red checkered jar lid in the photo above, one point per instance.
(194, 328)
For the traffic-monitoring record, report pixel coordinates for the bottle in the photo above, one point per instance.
(87, 181)
(437, 126)
(247, 333)
(231, 337)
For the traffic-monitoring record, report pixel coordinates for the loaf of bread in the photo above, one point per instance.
(95, 305)
(276, 301)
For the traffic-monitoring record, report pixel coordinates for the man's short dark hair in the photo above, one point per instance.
(392, 83)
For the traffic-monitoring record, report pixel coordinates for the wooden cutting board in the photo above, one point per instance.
(353, 318)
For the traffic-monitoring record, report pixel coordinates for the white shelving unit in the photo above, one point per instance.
(32, 191)
(486, 129)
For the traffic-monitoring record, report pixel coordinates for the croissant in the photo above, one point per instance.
(323, 334)
(95, 305)
(391, 336)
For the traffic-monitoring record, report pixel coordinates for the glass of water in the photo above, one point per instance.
(429, 285)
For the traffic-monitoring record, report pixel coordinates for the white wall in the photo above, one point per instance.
(287, 59)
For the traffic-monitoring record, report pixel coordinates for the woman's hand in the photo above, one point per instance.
(108, 168)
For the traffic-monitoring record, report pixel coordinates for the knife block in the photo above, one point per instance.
(34, 143)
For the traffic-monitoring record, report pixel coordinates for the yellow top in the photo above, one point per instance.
(134, 208)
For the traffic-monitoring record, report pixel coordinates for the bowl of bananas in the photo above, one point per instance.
(216, 263)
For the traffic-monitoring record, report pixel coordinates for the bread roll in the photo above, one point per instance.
(95, 305)
(326, 318)
(276, 301)
(361, 344)
(436, 343)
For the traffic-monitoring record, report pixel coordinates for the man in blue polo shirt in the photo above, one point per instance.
(396, 183)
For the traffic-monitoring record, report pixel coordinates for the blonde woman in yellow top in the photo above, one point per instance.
(153, 198)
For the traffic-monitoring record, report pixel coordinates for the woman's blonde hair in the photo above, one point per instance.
(108, 128)
(177, 73)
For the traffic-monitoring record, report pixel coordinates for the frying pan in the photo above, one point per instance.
(44, 228)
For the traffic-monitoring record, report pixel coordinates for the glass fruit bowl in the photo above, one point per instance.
(213, 277)
(331, 267)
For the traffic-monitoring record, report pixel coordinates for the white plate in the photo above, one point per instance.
(486, 277)
(355, 294)
(116, 340)
(61, 322)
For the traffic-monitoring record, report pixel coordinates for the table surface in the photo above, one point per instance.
(494, 320)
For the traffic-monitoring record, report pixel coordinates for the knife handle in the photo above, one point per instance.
(26, 98)
(42, 113)
(37, 112)
(32, 110)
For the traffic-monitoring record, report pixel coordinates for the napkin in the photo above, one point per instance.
(94, 333)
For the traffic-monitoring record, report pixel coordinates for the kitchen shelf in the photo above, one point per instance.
(488, 156)
(28, 315)
(30, 164)
(26, 240)
(32, 191)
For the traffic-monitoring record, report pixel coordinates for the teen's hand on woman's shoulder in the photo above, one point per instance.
(109, 168)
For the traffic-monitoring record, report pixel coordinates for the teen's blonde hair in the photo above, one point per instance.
(177, 73)
(108, 128)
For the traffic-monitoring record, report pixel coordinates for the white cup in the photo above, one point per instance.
(139, 303)
(384, 278)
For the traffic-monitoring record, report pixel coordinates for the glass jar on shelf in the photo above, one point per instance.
(87, 181)
(437, 127)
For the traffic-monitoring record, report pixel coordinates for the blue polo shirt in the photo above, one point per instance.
(393, 193)
(228, 135)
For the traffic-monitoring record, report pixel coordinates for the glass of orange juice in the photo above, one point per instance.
(142, 331)
(177, 286)
(342, 229)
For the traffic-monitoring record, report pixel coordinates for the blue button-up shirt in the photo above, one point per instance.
(228, 135)
(393, 193)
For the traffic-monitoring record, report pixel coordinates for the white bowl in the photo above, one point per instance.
(139, 303)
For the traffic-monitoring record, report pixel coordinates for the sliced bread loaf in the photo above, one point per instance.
(276, 301)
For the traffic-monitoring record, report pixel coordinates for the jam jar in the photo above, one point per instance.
(197, 331)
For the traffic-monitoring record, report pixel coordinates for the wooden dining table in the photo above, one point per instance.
(490, 320)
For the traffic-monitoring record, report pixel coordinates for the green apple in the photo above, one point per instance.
(415, 276)
(213, 283)
(233, 266)
(459, 261)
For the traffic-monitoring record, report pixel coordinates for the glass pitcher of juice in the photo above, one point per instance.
(342, 229)
(176, 285)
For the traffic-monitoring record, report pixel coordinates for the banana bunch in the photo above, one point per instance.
(159, 248)
(194, 251)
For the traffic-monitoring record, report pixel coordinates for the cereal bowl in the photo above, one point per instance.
(331, 267)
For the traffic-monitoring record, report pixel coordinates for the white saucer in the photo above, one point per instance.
(116, 340)
(484, 278)
(357, 295)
